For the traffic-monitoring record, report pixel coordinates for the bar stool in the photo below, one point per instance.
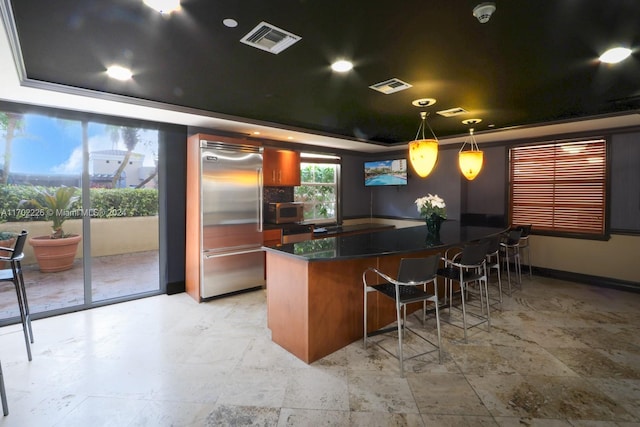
(410, 286)
(468, 267)
(14, 275)
(493, 262)
(524, 244)
(510, 252)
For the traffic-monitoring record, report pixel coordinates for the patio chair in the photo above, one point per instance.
(14, 275)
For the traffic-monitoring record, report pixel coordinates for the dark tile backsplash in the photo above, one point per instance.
(277, 194)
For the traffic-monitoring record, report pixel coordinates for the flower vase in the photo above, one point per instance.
(433, 221)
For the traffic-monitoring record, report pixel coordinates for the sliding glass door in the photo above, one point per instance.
(89, 188)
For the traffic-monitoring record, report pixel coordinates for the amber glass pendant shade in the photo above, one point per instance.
(470, 163)
(423, 154)
(471, 160)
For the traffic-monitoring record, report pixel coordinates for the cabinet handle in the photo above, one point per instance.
(273, 175)
(279, 176)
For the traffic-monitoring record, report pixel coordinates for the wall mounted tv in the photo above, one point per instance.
(385, 172)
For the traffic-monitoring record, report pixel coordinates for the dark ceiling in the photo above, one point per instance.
(533, 62)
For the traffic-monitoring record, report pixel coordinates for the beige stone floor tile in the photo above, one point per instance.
(384, 419)
(312, 417)
(104, 411)
(226, 415)
(625, 392)
(480, 360)
(595, 363)
(546, 335)
(445, 394)
(317, 388)
(458, 421)
(546, 397)
(533, 360)
(172, 413)
(531, 422)
(255, 387)
(369, 392)
(604, 337)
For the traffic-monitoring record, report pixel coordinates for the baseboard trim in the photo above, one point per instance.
(605, 282)
(175, 287)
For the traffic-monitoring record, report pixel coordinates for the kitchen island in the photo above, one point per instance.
(315, 301)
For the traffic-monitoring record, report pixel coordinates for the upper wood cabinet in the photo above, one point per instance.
(280, 168)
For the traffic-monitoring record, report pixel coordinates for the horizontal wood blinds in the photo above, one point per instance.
(559, 186)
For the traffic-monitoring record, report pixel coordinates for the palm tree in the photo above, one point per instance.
(130, 136)
(10, 123)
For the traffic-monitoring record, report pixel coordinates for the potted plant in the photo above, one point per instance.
(56, 251)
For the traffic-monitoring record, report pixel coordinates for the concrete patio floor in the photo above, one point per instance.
(112, 276)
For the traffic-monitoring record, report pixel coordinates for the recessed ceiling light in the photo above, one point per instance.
(119, 73)
(341, 66)
(163, 6)
(471, 121)
(229, 22)
(256, 133)
(615, 55)
(423, 102)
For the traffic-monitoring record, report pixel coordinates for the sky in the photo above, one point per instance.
(48, 145)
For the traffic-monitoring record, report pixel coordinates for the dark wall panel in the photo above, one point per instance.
(625, 182)
(486, 193)
(172, 207)
(399, 201)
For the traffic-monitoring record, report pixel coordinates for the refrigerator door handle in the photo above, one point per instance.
(223, 254)
(260, 204)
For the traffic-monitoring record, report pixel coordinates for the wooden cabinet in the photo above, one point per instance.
(280, 168)
(272, 237)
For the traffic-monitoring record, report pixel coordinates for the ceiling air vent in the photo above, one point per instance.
(390, 86)
(451, 112)
(270, 38)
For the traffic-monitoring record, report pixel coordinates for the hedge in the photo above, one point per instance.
(105, 202)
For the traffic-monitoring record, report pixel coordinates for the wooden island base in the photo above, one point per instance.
(315, 308)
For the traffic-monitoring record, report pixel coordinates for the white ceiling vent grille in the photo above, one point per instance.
(452, 112)
(390, 86)
(270, 38)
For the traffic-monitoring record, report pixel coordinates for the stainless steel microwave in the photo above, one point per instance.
(284, 212)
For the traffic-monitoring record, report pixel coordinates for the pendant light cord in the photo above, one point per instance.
(424, 115)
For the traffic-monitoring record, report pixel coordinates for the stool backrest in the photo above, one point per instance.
(514, 237)
(494, 244)
(19, 246)
(418, 269)
(526, 229)
(474, 253)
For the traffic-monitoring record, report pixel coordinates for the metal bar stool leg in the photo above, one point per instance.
(3, 394)
(26, 326)
(25, 301)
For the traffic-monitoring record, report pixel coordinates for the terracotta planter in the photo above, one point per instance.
(6, 244)
(55, 254)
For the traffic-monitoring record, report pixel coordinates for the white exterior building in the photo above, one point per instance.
(107, 162)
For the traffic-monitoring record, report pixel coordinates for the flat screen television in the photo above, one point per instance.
(385, 172)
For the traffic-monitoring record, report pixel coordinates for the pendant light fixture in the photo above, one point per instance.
(423, 153)
(470, 160)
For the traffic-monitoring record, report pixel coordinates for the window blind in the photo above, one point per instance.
(559, 187)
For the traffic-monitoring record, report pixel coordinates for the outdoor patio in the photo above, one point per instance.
(112, 276)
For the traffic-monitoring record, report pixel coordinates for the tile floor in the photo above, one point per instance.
(559, 354)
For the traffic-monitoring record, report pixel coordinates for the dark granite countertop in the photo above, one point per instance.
(386, 242)
(333, 230)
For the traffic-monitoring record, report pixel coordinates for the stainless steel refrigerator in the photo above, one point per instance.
(231, 206)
